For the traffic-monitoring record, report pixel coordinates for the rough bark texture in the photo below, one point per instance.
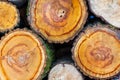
(24, 56)
(107, 9)
(96, 52)
(58, 21)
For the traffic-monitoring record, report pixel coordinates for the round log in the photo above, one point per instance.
(97, 52)
(58, 21)
(65, 70)
(107, 10)
(23, 56)
(9, 16)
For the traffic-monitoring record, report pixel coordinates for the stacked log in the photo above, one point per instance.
(9, 16)
(96, 52)
(36, 36)
(58, 21)
(24, 56)
(64, 69)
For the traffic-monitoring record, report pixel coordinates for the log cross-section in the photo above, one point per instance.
(9, 16)
(58, 21)
(108, 10)
(97, 52)
(22, 56)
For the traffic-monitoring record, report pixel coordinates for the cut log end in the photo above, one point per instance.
(9, 16)
(23, 56)
(64, 72)
(110, 12)
(58, 21)
(96, 52)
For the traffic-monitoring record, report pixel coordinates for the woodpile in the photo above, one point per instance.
(59, 40)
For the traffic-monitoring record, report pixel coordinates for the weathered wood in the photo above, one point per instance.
(64, 69)
(108, 10)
